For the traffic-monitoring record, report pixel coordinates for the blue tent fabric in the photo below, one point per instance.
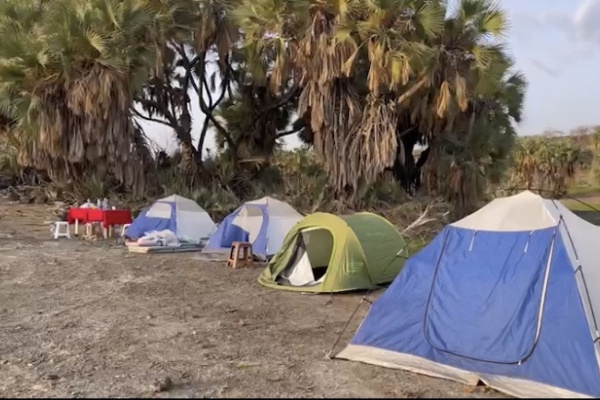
(497, 305)
(270, 227)
(184, 217)
(144, 224)
(228, 232)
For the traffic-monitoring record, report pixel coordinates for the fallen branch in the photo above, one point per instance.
(421, 220)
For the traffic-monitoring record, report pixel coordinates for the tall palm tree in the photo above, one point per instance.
(69, 71)
(326, 48)
(483, 156)
(379, 76)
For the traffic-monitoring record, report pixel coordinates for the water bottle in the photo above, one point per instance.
(105, 204)
(88, 203)
(99, 203)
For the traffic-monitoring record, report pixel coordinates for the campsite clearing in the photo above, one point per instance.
(83, 319)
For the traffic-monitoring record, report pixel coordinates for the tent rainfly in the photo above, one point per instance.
(508, 296)
(263, 222)
(184, 217)
(329, 253)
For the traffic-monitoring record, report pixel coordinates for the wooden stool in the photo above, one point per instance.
(234, 255)
(91, 231)
(88, 230)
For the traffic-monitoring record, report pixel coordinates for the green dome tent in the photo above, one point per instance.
(328, 253)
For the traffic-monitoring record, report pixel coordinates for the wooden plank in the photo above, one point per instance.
(163, 249)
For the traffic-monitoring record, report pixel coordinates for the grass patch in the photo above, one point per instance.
(584, 190)
(575, 205)
(588, 212)
(416, 245)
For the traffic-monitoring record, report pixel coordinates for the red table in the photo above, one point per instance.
(108, 218)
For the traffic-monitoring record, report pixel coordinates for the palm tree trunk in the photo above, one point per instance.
(188, 151)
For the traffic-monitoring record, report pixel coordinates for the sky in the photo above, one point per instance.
(555, 43)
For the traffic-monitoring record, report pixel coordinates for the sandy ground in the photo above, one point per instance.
(82, 319)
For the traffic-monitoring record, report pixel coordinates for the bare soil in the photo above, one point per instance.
(89, 319)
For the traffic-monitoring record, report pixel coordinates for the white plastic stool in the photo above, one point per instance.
(58, 233)
(124, 229)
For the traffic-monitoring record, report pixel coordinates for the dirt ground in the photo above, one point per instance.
(89, 319)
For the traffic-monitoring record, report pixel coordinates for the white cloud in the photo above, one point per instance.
(558, 39)
(581, 25)
(585, 21)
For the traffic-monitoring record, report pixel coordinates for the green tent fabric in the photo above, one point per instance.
(329, 253)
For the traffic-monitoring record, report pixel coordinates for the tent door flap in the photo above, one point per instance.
(486, 304)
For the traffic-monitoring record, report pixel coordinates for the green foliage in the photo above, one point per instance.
(9, 162)
(357, 73)
(594, 149)
(294, 176)
(69, 70)
(548, 163)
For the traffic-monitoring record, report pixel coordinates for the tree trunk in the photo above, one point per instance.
(406, 171)
(189, 154)
(188, 159)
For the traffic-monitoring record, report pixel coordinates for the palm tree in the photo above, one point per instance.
(477, 153)
(5, 123)
(547, 164)
(69, 72)
(323, 47)
(369, 80)
(379, 76)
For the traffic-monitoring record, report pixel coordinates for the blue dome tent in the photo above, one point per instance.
(264, 223)
(184, 217)
(508, 296)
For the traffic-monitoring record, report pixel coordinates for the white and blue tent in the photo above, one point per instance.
(509, 296)
(264, 223)
(184, 217)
